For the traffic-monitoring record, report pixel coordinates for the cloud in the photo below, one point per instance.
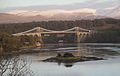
(93, 4)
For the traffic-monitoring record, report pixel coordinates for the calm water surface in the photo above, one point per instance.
(108, 67)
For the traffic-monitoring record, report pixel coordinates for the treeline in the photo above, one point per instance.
(108, 29)
(97, 24)
(104, 37)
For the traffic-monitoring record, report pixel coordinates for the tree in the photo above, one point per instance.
(14, 66)
(8, 42)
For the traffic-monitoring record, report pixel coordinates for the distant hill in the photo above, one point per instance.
(21, 16)
(11, 18)
(51, 15)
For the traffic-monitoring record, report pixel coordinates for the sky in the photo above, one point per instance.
(42, 5)
(22, 3)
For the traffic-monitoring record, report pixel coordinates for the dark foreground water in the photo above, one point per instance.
(108, 67)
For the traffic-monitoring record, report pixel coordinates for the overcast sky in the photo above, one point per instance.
(22, 3)
(41, 5)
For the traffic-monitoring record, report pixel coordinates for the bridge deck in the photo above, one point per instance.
(49, 33)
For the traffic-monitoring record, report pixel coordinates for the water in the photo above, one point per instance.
(108, 67)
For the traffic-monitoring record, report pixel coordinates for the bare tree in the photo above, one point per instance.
(14, 66)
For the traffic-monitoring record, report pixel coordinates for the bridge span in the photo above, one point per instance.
(80, 32)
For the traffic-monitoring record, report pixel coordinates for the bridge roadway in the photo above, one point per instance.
(39, 33)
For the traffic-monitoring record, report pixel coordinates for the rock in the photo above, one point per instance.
(68, 55)
(69, 58)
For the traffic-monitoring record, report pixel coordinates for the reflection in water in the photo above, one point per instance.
(77, 50)
(80, 49)
(14, 66)
(109, 67)
(68, 65)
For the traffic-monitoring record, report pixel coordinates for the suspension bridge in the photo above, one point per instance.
(38, 31)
